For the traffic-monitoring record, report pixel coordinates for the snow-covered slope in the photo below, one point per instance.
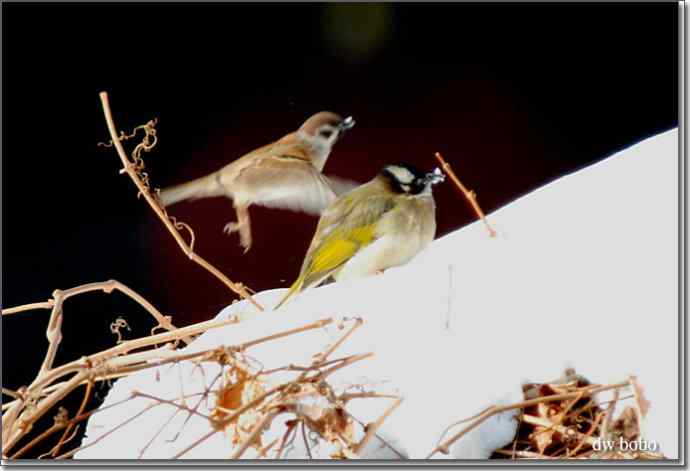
(583, 273)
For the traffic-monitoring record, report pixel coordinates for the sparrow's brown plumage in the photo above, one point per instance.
(284, 174)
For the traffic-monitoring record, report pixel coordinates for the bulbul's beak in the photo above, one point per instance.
(346, 124)
(434, 177)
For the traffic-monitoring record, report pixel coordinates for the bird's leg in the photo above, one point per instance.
(243, 226)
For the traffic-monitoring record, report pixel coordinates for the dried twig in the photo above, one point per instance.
(469, 194)
(131, 169)
(61, 425)
(290, 429)
(101, 364)
(59, 296)
(608, 415)
(109, 432)
(256, 431)
(566, 431)
(306, 442)
(523, 454)
(80, 411)
(373, 427)
(266, 449)
(586, 439)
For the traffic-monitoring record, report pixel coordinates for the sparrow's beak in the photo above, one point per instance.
(346, 124)
(434, 177)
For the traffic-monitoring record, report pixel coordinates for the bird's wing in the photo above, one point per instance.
(344, 229)
(341, 185)
(287, 181)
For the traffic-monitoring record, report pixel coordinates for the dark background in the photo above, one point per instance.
(514, 96)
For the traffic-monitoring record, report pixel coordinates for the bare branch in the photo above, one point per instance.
(373, 427)
(470, 195)
(130, 168)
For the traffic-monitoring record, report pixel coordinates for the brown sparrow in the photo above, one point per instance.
(284, 174)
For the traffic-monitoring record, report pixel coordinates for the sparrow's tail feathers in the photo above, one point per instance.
(203, 187)
(294, 289)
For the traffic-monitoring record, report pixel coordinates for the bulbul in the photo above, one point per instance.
(284, 174)
(380, 224)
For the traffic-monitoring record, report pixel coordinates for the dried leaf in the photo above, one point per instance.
(543, 436)
(231, 396)
(627, 425)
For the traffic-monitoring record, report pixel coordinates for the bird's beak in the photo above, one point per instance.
(346, 124)
(434, 177)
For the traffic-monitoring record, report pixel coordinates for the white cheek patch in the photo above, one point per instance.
(403, 175)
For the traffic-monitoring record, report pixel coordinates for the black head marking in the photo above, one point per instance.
(405, 178)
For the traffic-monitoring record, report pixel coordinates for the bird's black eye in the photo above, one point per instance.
(325, 133)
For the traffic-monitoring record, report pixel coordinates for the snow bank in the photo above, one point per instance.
(583, 274)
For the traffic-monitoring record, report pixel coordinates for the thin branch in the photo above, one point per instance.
(117, 427)
(469, 194)
(563, 430)
(373, 427)
(266, 449)
(352, 359)
(130, 168)
(388, 445)
(144, 360)
(363, 395)
(524, 454)
(587, 436)
(9, 392)
(158, 432)
(323, 357)
(170, 402)
(306, 442)
(313, 325)
(256, 431)
(228, 420)
(28, 307)
(75, 420)
(106, 287)
(127, 346)
(65, 434)
(289, 429)
(608, 414)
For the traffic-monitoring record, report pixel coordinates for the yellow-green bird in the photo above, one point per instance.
(380, 224)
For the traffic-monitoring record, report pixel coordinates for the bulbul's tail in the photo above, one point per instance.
(294, 289)
(203, 187)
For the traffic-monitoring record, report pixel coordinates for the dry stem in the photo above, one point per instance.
(131, 169)
(373, 427)
(469, 194)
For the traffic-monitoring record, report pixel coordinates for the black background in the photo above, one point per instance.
(514, 96)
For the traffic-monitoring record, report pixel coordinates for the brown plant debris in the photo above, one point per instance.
(575, 426)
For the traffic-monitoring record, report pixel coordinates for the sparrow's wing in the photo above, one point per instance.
(344, 229)
(341, 185)
(284, 181)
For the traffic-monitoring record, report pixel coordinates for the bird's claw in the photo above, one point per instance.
(231, 227)
(245, 240)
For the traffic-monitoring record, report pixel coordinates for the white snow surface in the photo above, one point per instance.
(583, 274)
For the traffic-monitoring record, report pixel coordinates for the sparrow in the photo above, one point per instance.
(381, 224)
(285, 174)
